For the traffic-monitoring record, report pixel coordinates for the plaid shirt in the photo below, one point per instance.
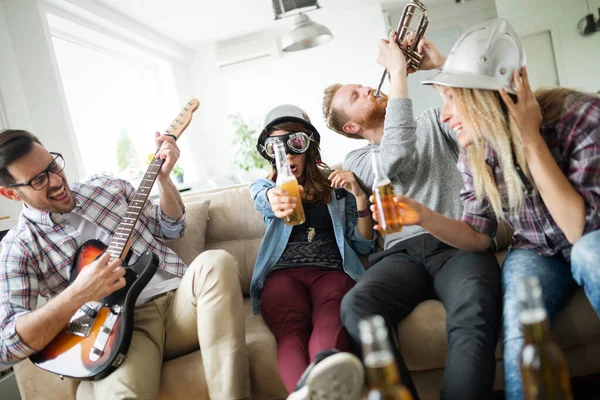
(37, 254)
(574, 142)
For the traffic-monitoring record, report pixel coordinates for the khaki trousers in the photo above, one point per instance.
(205, 312)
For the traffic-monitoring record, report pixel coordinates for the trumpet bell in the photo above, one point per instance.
(413, 23)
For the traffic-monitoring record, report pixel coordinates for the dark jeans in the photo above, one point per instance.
(468, 284)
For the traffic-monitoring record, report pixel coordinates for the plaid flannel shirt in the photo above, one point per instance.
(37, 254)
(574, 142)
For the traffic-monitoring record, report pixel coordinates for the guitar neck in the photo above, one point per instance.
(120, 244)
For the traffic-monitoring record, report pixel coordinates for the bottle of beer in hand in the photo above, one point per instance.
(388, 216)
(544, 369)
(288, 182)
(383, 378)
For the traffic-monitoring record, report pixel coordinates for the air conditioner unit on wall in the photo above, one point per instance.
(247, 48)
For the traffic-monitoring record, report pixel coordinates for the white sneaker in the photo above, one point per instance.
(332, 376)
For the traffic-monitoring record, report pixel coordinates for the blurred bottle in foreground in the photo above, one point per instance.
(383, 378)
(544, 369)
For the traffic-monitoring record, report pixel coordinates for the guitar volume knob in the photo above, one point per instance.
(89, 311)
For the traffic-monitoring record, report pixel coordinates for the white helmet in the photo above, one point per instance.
(484, 57)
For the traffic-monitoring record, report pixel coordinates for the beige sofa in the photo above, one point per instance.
(235, 226)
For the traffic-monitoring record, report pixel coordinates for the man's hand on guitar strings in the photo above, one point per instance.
(98, 279)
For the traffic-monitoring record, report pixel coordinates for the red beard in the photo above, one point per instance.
(375, 115)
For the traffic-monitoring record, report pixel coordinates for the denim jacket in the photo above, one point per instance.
(347, 236)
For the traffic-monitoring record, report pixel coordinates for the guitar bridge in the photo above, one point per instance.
(82, 322)
(104, 334)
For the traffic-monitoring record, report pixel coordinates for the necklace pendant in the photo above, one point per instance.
(311, 234)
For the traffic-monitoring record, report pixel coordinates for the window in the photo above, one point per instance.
(117, 98)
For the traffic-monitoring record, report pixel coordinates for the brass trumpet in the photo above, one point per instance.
(405, 27)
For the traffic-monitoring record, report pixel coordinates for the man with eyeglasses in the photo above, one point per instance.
(181, 309)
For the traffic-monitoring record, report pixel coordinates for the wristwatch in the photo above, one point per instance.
(363, 213)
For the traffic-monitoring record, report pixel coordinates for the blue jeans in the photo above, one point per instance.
(558, 280)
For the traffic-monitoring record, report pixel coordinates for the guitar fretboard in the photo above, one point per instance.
(118, 247)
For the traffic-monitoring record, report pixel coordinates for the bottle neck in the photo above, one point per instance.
(281, 163)
(535, 326)
(381, 178)
(532, 312)
(375, 344)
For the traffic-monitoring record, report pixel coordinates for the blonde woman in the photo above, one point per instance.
(532, 160)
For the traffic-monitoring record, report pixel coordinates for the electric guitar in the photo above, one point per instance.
(96, 340)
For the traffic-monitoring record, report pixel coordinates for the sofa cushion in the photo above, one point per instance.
(192, 243)
(232, 215)
(234, 225)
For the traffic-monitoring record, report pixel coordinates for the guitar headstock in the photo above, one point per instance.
(184, 118)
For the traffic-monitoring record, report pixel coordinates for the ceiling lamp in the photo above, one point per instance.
(305, 33)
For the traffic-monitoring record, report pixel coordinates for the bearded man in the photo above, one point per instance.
(419, 157)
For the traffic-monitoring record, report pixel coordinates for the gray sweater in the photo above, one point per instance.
(419, 157)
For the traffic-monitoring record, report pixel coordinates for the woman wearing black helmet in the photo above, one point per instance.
(302, 272)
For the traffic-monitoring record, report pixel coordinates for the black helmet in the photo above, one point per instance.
(286, 113)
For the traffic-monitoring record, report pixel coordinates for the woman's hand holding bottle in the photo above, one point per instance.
(282, 204)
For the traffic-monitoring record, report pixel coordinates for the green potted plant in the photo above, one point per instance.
(248, 161)
(178, 173)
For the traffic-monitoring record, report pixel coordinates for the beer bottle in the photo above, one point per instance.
(388, 216)
(383, 378)
(544, 369)
(288, 182)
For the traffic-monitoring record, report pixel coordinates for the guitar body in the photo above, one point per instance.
(96, 340)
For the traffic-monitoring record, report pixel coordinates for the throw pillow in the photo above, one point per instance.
(192, 243)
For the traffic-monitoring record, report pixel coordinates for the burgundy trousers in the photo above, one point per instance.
(301, 306)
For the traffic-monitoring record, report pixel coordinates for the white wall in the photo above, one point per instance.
(254, 87)
(577, 57)
(13, 107)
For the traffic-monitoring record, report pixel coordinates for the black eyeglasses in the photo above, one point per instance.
(40, 181)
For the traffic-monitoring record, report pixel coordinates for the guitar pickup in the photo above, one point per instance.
(104, 334)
